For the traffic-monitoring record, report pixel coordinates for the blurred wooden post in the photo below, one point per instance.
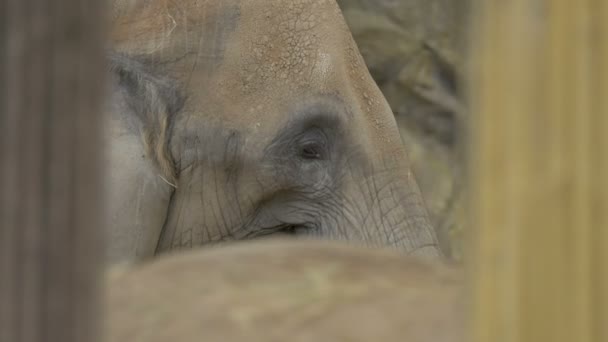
(51, 66)
(540, 170)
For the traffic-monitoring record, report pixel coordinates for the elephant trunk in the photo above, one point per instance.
(394, 215)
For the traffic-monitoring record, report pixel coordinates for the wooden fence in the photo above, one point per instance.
(539, 152)
(51, 63)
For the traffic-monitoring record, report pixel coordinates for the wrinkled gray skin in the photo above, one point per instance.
(415, 51)
(232, 120)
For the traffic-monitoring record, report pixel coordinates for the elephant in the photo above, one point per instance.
(286, 290)
(235, 120)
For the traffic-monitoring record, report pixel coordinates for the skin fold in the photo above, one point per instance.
(232, 120)
(285, 290)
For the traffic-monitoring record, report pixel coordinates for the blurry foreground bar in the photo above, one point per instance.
(539, 153)
(51, 66)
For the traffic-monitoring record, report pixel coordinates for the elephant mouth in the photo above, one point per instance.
(282, 230)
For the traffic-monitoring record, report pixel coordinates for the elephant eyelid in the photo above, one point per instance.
(311, 150)
(313, 145)
(310, 130)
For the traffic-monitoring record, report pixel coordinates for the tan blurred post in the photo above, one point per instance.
(50, 68)
(539, 169)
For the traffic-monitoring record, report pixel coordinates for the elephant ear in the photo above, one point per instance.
(154, 100)
(139, 170)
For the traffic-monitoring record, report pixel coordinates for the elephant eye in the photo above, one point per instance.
(311, 151)
(312, 145)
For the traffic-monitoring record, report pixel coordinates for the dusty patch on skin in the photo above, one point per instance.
(286, 56)
(289, 51)
(169, 31)
(287, 46)
(280, 48)
(371, 100)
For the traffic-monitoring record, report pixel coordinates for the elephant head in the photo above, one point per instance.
(233, 120)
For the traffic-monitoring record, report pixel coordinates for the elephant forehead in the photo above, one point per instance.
(256, 57)
(295, 49)
(277, 55)
(286, 51)
(281, 34)
(279, 52)
(291, 43)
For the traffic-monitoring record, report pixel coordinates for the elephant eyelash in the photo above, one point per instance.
(313, 145)
(311, 150)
